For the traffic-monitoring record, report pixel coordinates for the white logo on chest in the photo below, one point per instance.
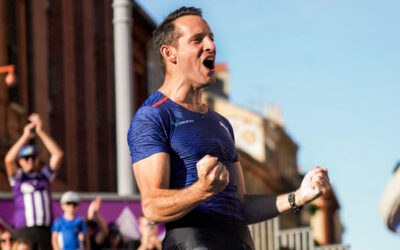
(176, 124)
(27, 188)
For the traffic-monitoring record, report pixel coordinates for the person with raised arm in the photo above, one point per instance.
(31, 184)
(184, 156)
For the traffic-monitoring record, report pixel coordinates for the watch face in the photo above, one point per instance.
(291, 200)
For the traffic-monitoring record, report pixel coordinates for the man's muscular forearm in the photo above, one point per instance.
(165, 205)
(161, 204)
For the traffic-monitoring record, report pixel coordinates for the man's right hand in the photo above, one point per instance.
(35, 119)
(29, 130)
(213, 175)
(94, 207)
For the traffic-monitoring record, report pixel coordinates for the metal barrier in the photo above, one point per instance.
(333, 247)
(263, 234)
(296, 238)
(268, 236)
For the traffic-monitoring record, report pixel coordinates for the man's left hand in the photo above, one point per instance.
(315, 183)
(35, 119)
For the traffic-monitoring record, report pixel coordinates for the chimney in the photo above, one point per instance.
(274, 114)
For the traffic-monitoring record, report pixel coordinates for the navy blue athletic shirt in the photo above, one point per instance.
(161, 125)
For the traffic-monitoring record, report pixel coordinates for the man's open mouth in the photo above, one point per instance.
(209, 63)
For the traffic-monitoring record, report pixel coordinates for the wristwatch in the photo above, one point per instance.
(292, 202)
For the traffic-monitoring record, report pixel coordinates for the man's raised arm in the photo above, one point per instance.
(11, 157)
(263, 207)
(56, 154)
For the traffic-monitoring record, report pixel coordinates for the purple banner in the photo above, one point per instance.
(125, 213)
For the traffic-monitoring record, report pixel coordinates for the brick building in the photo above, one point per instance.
(63, 53)
(268, 156)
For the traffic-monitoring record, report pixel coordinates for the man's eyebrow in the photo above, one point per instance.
(212, 35)
(202, 34)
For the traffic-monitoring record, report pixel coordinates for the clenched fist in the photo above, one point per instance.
(315, 183)
(213, 175)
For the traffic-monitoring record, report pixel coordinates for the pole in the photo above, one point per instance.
(123, 92)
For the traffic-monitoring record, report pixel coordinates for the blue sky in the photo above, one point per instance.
(334, 67)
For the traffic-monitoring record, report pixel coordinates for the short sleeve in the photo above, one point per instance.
(48, 173)
(55, 226)
(147, 134)
(230, 129)
(13, 179)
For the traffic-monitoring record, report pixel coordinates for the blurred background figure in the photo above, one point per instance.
(6, 239)
(31, 184)
(114, 240)
(21, 244)
(69, 230)
(97, 229)
(149, 239)
(389, 205)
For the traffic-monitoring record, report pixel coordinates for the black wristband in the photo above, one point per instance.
(292, 202)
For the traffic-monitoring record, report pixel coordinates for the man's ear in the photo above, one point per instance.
(168, 52)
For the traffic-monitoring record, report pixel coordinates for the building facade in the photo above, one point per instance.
(268, 156)
(63, 54)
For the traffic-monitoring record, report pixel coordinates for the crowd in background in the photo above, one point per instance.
(94, 232)
(34, 225)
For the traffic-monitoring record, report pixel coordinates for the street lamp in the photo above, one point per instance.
(10, 77)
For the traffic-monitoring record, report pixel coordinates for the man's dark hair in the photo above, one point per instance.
(165, 33)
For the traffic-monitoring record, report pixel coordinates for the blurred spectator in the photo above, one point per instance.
(389, 205)
(114, 240)
(31, 185)
(149, 239)
(97, 229)
(21, 244)
(69, 230)
(6, 239)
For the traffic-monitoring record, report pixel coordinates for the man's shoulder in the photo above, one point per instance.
(154, 100)
(218, 115)
(154, 105)
(17, 176)
(154, 109)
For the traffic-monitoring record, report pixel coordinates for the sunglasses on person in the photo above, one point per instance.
(26, 158)
(71, 203)
(7, 239)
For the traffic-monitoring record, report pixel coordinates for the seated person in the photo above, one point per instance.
(389, 206)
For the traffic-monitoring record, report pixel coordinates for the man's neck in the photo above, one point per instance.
(185, 94)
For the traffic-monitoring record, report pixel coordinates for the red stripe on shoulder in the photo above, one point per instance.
(159, 102)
